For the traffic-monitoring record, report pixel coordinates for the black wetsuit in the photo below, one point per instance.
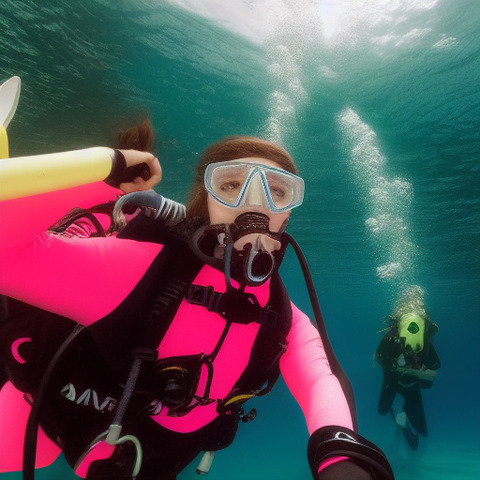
(391, 347)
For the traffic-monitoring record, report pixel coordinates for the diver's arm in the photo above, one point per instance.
(343, 471)
(82, 279)
(24, 217)
(387, 352)
(58, 274)
(420, 373)
(335, 451)
(309, 377)
(33, 175)
(431, 360)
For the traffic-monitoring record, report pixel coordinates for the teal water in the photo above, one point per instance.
(379, 104)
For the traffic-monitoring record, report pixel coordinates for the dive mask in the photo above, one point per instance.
(242, 184)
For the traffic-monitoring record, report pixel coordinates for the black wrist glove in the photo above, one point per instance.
(120, 173)
(365, 460)
(344, 470)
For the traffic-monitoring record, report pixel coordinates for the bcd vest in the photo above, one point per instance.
(88, 381)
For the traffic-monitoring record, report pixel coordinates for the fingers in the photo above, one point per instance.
(155, 169)
(141, 182)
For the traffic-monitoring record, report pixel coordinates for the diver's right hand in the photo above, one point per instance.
(133, 171)
(345, 470)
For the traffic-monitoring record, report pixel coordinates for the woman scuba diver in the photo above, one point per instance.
(135, 351)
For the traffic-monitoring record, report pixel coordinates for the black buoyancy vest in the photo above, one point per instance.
(101, 355)
(141, 320)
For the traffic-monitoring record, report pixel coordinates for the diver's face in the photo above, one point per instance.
(255, 202)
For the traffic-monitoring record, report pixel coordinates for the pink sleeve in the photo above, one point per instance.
(80, 278)
(14, 411)
(23, 218)
(307, 374)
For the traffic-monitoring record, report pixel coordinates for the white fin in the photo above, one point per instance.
(9, 96)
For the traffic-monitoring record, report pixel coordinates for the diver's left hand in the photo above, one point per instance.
(147, 167)
(133, 170)
(344, 470)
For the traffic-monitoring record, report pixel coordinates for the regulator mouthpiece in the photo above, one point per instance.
(246, 249)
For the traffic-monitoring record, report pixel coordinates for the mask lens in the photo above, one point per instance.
(226, 182)
(282, 190)
(229, 182)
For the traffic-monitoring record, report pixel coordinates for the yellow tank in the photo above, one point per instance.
(411, 327)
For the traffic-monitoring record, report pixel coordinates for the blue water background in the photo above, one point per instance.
(379, 104)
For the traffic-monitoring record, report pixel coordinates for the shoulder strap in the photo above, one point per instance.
(270, 344)
(143, 317)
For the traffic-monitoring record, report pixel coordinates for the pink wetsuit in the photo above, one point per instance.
(84, 279)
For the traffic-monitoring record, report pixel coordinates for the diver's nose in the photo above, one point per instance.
(255, 195)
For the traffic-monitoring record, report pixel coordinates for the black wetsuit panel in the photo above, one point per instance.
(388, 351)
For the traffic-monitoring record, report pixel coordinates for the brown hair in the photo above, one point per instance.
(232, 148)
(140, 137)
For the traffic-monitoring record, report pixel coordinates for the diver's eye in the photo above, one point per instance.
(230, 186)
(277, 192)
